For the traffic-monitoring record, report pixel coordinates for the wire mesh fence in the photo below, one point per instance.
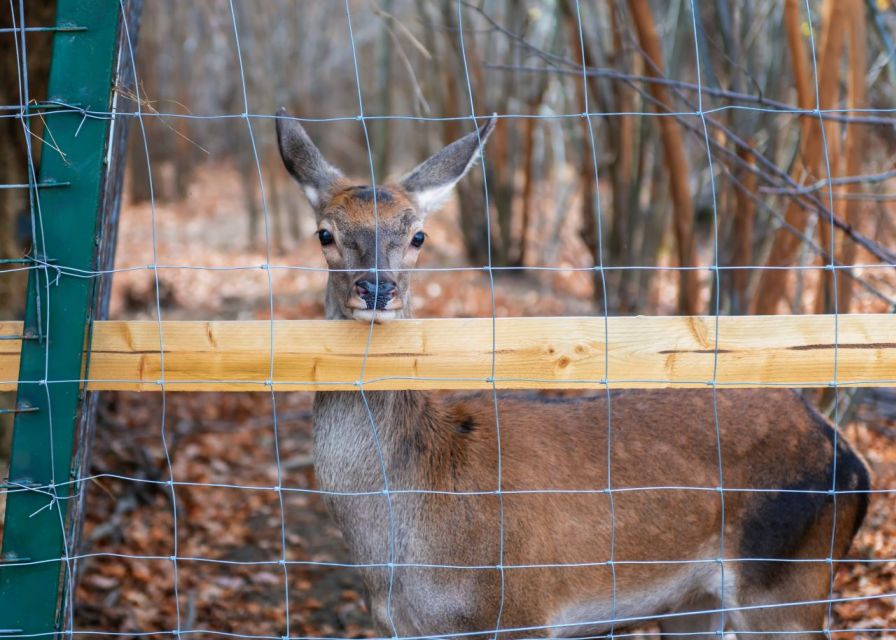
(776, 159)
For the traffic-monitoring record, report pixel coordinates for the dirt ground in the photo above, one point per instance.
(227, 441)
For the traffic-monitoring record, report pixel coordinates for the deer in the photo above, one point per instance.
(701, 510)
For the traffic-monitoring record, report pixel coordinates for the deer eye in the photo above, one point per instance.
(325, 237)
(418, 239)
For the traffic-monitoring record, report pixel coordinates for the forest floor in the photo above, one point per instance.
(228, 440)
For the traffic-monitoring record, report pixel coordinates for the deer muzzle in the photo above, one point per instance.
(376, 294)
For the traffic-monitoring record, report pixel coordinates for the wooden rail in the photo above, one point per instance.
(566, 352)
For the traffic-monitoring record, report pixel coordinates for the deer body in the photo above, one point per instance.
(577, 559)
(770, 440)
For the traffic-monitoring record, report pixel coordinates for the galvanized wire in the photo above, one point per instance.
(51, 271)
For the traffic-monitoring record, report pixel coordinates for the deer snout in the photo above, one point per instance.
(376, 295)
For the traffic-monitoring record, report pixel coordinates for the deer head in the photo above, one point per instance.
(370, 236)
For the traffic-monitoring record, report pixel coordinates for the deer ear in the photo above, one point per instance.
(431, 182)
(304, 160)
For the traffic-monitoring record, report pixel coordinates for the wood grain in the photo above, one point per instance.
(564, 352)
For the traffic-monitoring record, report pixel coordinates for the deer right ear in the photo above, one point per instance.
(303, 160)
(432, 181)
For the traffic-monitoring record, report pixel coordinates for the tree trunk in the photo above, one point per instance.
(470, 190)
(773, 282)
(855, 144)
(675, 159)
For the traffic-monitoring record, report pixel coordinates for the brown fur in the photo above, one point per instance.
(351, 210)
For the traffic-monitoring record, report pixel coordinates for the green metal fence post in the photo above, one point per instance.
(32, 566)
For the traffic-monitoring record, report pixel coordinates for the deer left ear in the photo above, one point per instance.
(304, 161)
(431, 182)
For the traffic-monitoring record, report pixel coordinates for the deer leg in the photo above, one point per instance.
(809, 583)
(805, 622)
(702, 625)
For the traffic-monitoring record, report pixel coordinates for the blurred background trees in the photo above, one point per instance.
(652, 199)
(760, 60)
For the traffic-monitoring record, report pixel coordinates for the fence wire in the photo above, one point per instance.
(618, 625)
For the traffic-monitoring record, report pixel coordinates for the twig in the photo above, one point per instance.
(871, 178)
(769, 104)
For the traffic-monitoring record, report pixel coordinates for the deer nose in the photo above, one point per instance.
(376, 294)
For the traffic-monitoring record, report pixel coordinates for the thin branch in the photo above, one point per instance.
(871, 178)
(767, 103)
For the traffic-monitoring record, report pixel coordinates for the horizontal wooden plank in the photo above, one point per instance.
(564, 352)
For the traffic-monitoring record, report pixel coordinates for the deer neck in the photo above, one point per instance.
(356, 434)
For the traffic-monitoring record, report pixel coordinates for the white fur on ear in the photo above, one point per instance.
(431, 199)
(312, 194)
(431, 182)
